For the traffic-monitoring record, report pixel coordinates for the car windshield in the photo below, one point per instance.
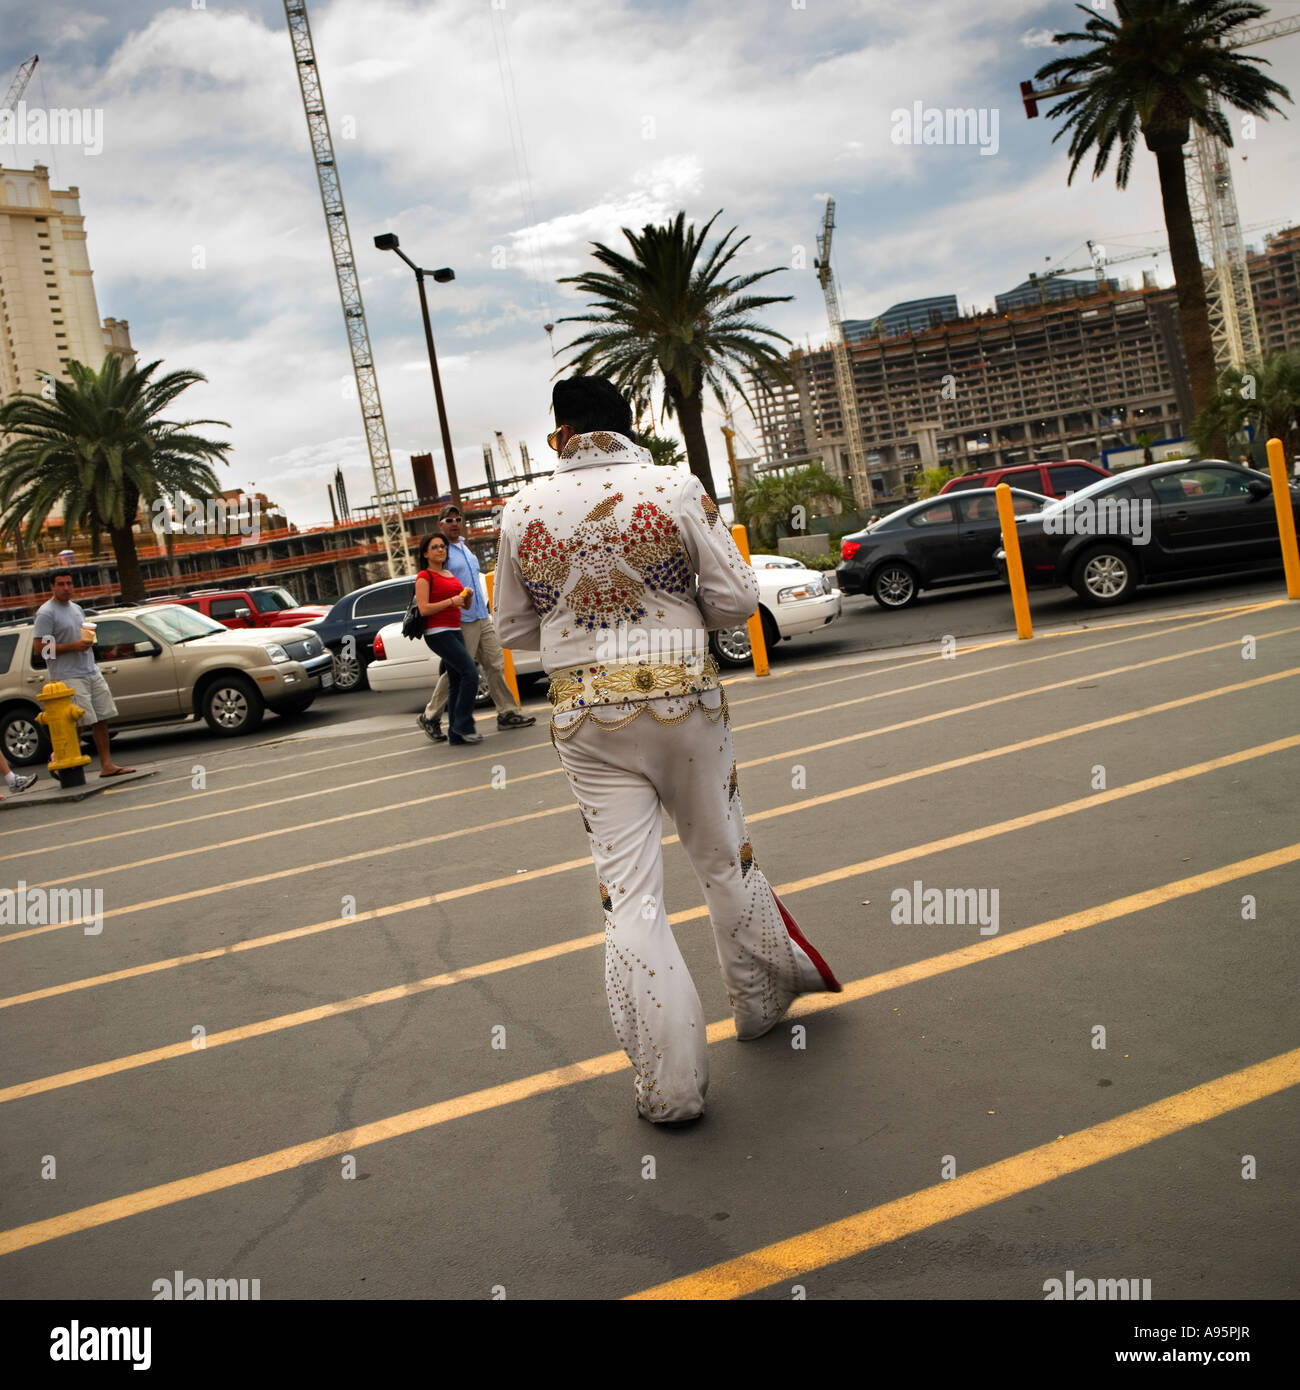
(178, 624)
(273, 600)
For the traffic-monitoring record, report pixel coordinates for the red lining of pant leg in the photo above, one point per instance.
(824, 970)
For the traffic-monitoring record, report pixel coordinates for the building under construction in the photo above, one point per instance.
(1064, 379)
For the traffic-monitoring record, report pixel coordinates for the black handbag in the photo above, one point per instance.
(414, 621)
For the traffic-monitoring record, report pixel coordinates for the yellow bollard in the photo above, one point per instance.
(60, 715)
(505, 651)
(1015, 569)
(757, 642)
(1285, 516)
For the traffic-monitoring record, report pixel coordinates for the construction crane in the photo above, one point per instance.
(388, 503)
(19, 85)
(1100, 260)
(1234, 329)
(843, 364)
(504, 450)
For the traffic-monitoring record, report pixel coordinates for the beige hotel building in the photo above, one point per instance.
(48, 314)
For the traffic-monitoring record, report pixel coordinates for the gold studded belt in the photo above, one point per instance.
(581, 687)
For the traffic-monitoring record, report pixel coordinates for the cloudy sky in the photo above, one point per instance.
(503, 137)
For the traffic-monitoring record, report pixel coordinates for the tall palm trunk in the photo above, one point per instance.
(129, 576)
(690, 416)
(1193, 310)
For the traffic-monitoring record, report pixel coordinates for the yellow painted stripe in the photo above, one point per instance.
(902, 856)
(519, 751)
(802, 714)
(492, 1097)
(985, 949)
(868, 1230)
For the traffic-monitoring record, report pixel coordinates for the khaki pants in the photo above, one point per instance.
(481, 640)
(624, 779)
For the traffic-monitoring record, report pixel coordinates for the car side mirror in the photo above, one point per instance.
(147, 649)
(244, 614)
(1257, 487)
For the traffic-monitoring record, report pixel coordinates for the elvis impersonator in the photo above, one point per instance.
(617, 569)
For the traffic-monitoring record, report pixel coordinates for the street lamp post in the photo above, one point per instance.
(388, 242)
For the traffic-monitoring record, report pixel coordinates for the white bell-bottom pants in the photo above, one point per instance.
(622, 778)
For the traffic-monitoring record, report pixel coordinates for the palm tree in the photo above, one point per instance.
(770, 501)
(96, 451)
(1154, 72)
(1266, 397)
(929, 482)
(663, 449)
(663, 318)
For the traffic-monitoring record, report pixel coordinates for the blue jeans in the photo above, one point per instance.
(462, 677)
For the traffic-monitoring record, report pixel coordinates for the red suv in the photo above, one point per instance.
(1049, 479)
(261, 607)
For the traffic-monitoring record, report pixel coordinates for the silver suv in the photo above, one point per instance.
(165, 663)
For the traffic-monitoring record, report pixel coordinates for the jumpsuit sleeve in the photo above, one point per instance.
(728, 587)
(514, 615)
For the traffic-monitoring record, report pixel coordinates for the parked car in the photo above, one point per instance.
(1161, 522)
(350, 627)
(401, 663)
(791, 600)
(165, 663)
(1049, 479)
(263, 606)
(936, 542)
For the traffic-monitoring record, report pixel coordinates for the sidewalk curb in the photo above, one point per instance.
(51, 792)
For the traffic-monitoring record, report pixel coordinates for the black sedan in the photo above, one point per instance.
(943, 540)
(350, 627)
(1167, 521)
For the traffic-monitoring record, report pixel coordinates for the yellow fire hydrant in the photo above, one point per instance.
(60, 715)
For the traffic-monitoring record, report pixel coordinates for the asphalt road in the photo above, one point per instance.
(344, 1028)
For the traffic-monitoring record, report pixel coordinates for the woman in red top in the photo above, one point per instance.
(441, 598)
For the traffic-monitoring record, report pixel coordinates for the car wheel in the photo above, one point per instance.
(232, 705)
(1104, 575)
(349, 672)
(299, 705)
(25, 742)
(731, 645)
(894, 585)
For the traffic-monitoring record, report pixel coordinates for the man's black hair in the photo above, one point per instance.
(587, 403)
(60, 574)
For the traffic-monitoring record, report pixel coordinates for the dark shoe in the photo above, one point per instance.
(464, 738)
(514, 720)
(432, 727)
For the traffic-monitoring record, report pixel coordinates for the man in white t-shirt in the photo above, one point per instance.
(60, 636)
